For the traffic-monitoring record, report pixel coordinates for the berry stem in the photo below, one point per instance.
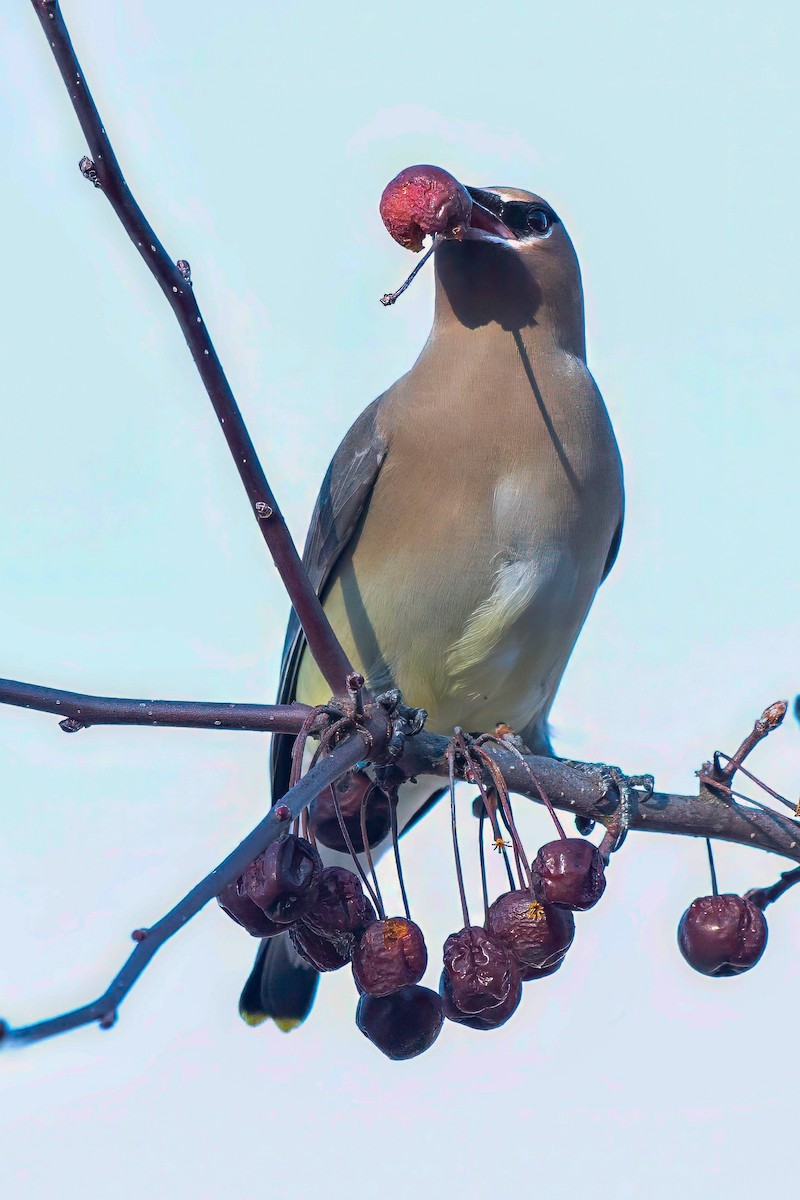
(391, 297)
(368, 854)
(396, 849)
(348, 841)
(451, 773)
(482, 853)
(712, 868)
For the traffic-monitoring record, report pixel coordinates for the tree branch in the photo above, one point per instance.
(104, 172)
(326, 771)
(79, 711)
(708, 814)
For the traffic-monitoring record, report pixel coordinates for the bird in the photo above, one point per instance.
(466, 520)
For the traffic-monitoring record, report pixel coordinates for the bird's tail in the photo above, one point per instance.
(281, 985)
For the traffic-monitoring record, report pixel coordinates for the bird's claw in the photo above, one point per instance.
(631, 790)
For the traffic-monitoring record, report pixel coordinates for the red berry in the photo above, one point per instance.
(388, 955)
(324, 953)
(284, 880)
(352, 789)
(237, 904)
(489, 1018)
(479, 969)
(722, 935)
(569, 873)
(341, 906)
(404, 1024)
(538, 935)
(422, 200)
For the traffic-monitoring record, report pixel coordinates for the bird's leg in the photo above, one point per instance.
(630, 790)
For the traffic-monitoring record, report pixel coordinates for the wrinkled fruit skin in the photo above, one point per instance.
(424, 199)
(389, 955)
(490, 1018)
(284, 880)
(479, 970)
(404, 1024)
(351, 789)
(569, 873)
(537, 935)
(341, 906)
(722, 935)
(237, 904)
(325, 953)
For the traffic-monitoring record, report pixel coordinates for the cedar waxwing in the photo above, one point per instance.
(466, 521)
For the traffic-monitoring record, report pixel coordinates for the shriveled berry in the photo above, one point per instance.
(401, 1025)
(326, 953)
(722, 935)
(479, 969)
(237, 904)
(284, 880)
(353, 788)
(569, 873)
(489, 1018)
(341, 906)
(421, 200)
(537, 935)
(388, 955)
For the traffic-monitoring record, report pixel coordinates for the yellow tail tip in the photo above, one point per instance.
(253, 1018)
(287, 1024)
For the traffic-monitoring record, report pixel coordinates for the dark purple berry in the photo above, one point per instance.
(341, 906)
(479, 969)
(237, 904)
(351, 789)
(569, 873)
(284, 880)
(722, 935)
(388, 955)
(537, 935)
(490, 1018)
(404, 1024)
(324, 953)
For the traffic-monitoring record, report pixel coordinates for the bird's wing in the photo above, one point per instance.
(343, 497)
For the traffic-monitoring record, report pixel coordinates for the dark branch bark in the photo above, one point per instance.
(708, 814)
(768, 895)
(80, 711)
(104, 1009)
(103, 170)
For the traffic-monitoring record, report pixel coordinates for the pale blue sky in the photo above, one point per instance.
(259, 138)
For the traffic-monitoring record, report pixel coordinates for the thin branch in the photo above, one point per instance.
(175, 282)
(707, 814)
(768, 895)
(80, 711)
(325, 772)
(769, 720)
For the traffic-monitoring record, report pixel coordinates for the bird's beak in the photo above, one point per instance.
(484, 225)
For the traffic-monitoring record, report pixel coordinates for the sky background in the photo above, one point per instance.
(258, 138)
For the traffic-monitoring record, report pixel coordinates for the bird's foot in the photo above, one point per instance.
(623, 792)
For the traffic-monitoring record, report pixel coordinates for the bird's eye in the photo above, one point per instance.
(537, 220)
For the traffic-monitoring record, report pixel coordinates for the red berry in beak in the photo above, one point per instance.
(722, 935)
(569, 873)
(424, 200)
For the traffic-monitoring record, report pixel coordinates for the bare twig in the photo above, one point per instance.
(761, 897)
(80, 711)
(103, 170)
(104, 1010)
(769, 720)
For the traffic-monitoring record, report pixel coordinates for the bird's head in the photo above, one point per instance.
(514, 266)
